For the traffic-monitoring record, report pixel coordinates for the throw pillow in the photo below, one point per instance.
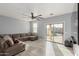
(1, 43)
(6, 45)
(16, 41)
(9, 39)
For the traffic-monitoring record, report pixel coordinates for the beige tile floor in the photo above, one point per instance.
(44, 48)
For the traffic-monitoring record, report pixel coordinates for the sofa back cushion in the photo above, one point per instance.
(15, 36)
(3, 44)
(22, 35)
(33, 34)
(2, 35)
(9, 43)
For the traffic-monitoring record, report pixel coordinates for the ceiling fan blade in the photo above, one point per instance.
(40, 18)
(51, 14)
(40, 15)
(25, 16)
(32, 15)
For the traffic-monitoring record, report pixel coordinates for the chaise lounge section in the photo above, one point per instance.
(6, 47)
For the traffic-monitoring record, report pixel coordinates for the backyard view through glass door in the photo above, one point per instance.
(55, 33)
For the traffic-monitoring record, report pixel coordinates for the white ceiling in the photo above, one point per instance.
(18, 10)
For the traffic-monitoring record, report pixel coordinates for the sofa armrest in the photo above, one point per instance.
(16, 48)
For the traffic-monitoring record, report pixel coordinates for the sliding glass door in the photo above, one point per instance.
(49, 32)
(55, 33)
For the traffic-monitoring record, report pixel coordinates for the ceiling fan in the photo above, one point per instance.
(32, 16)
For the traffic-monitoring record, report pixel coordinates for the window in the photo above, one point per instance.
(35, 27)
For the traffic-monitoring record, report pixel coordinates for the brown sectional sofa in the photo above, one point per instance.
(22, 36)
(18, 46)
(25, 36)
(12, 50)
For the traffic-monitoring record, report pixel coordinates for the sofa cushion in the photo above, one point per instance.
(6, 44)
(3, 44)
(2, 35)
(24, 38)
(10, 35)
(15, 36)
(22, 35)
(9, 43)
(9, 39)
(33, 34)
(16, 41)
(26, 34)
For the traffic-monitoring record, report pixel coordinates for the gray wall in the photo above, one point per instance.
(66, 19)
(12, 25)
(74, 26)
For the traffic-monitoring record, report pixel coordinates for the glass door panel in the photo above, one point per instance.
(49, 33)
(58, 33)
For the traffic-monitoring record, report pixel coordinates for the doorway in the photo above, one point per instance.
(55, 33)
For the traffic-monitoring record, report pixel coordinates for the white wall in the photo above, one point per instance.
(66, 19)
(12, 25)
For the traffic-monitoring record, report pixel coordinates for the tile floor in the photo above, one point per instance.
(45, 48)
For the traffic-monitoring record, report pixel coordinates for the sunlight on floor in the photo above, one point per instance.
(65, 50)
(49, 49)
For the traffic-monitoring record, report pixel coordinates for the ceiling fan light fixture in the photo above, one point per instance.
(51, 14)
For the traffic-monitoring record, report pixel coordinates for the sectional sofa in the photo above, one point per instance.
(9, 48)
